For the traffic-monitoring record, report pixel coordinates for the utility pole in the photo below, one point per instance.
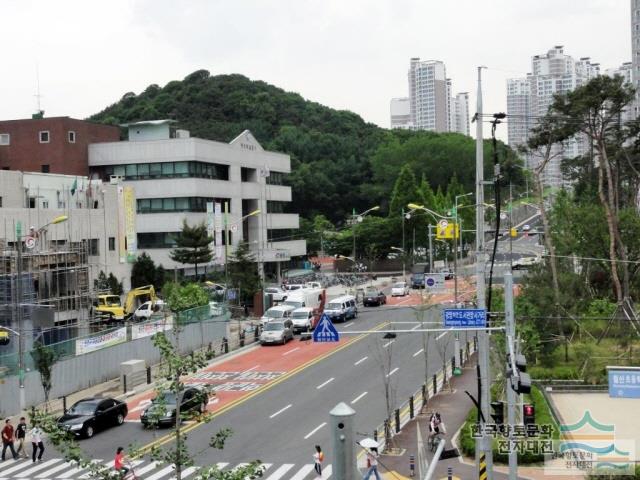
(226, 244)
(483, 444)
(430, 249)
(354, 219)
(19, 316)
(404, 251)
(510, 224)
(510, 328)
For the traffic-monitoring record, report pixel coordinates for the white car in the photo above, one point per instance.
(302, 319)
(400, 289)
(144, 311)
(526, 228)
(276, 293)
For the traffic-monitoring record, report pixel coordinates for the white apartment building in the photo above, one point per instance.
(635, 51)
(625, 71)
(551, 73)
(400, 109)
(428, 95)
(518, 111)
(460, 114)
(175, 176)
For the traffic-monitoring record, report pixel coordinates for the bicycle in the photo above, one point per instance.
(434, 440)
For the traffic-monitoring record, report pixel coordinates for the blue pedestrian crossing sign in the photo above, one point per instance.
(325, 331)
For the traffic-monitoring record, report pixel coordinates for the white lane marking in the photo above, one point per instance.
(325, 383)
(358, 397)
(17, 466)
(388, 343)
(161, 473)
(289, 351)
(303, 472)
(252, 368)
(393, 371)
(326, 472)
(32, 470)
(186, 472)
(279, 473)
(141, 406)
(7, 463)
(221, 465)
(315, 430)
(347, 325)
(145, 469)
(361, 360)
(416, 327)
(442, 335)
(280, 411)
(72, 472)
(49, 473)
(418, 352)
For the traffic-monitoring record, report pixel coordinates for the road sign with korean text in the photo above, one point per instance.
(464, 318)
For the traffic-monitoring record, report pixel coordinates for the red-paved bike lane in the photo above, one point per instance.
(247, 372)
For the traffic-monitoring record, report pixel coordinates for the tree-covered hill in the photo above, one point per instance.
(339, 161)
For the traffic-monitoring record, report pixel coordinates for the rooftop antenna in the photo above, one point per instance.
(39, 113)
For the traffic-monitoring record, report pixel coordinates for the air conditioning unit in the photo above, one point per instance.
(115, 179)
(182, 133)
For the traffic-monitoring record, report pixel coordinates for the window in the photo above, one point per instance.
(157, 240)
(175, 204)
(112, 244)
(71, 136)
(0, 202)
(276, 178)
(32, 202)
(274, 206)
(44, 168)
(94, 247)
(5, 139)
(44, 136)
(45, 204)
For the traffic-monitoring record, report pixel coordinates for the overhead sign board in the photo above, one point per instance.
(464, 318)
(434, 282)
(624, 382)
(325, 331)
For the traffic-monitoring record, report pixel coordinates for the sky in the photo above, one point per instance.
(346, 54)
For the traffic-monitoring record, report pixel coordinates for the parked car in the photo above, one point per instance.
(342, 308)
(303, 319)
(374, 297)
(144, 311)
(526, 227)
(277, 331)
(294, 286)
(279, 312)
(162, 411)
(399, 289)
(276, 293)
(89, 415)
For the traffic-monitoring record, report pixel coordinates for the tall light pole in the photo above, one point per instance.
(357, 218)
(457, 232)
(401, 250)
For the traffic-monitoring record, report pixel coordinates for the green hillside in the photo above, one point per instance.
(339, 161)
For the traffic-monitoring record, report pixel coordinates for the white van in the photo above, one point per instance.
(342, 308)
(308, 297)
(303, 319)
(279, 312)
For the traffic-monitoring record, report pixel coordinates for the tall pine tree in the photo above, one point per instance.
(405, 191)
(193, 246)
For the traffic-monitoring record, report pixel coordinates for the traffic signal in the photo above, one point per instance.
(528, 414)
(4, 338)
(520, 380)
(498, 412)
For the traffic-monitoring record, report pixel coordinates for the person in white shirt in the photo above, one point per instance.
(318, 458)
(36, 435)
(372, 460)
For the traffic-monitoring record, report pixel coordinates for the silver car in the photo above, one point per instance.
(277, 331)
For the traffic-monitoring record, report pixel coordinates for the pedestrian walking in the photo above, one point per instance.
(21, 433)
(7, 439)
(36, 435)
(318, 458)
(372, 463)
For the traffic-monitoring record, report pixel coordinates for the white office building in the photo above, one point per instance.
(551, 73)
(400, 110)
(175, 176)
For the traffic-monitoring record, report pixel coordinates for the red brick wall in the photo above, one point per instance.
(27, 154)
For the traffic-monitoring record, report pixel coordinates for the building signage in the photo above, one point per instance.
(91, 344)
(464, 318)
(129, 201)
(151, 328)
(122, 251)
(217, 220)
(624, 382)
(279, 255)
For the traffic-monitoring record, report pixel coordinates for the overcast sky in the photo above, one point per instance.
(347, 54)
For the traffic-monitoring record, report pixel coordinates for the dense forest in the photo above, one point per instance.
(339, 161)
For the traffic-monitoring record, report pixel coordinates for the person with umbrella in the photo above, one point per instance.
(371, 448)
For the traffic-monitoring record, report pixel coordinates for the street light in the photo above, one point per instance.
(357, 218)
(401, 250)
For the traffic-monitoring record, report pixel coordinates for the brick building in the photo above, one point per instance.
(51, 145)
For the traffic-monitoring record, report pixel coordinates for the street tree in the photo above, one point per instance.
(145, 272)
(193, 246)
(243, 273)
(383, 351)
(44, 358)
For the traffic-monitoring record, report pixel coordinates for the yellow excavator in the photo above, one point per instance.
(110, 308)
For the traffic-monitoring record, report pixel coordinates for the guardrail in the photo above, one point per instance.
(414, 404)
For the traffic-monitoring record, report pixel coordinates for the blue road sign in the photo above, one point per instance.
(465, 317)
(325, 331)
(624, 383)
(430, 282)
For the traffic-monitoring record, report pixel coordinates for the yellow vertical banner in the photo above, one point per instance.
(122, 246)
(129, 200)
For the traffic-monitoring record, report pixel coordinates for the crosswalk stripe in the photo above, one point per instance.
(186, 472)
(49, 473)
(75, 470)
(38, 467)
(19, 465)
(280, 471)
(161, 473)
(7, 463)
(303, 472)
(145, 469)
(105, 466)
(326, 472)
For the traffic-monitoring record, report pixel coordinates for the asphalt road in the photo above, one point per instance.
(283, 423)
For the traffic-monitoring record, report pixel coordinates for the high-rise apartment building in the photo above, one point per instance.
(635, 51)
(400, 113)
(551, 73)
(431, 104)
(625, 71)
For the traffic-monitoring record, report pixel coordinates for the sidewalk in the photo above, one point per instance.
(454, 408)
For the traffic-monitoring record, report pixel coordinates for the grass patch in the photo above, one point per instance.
(543, 417)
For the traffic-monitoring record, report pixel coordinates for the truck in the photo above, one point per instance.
(418, 271)
(304, 297)
(110, 308)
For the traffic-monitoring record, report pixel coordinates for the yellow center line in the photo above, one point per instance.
(167, 438)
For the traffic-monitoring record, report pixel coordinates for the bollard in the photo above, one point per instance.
(435, 384)
(449, 473)
(64, 402)
(397, 420)
(453, 363)
(225, 345)
(256, 332)
(412, 465)
(242, 338)
(148, 375)
(411, 412)
(124, 383)
(375, 434)
(343, 442)
(425, 394)
(461, 358)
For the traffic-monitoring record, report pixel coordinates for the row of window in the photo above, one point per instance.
(165, 239)
(44, 136)
(191, 169)
(177, 204)
(274, 206)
